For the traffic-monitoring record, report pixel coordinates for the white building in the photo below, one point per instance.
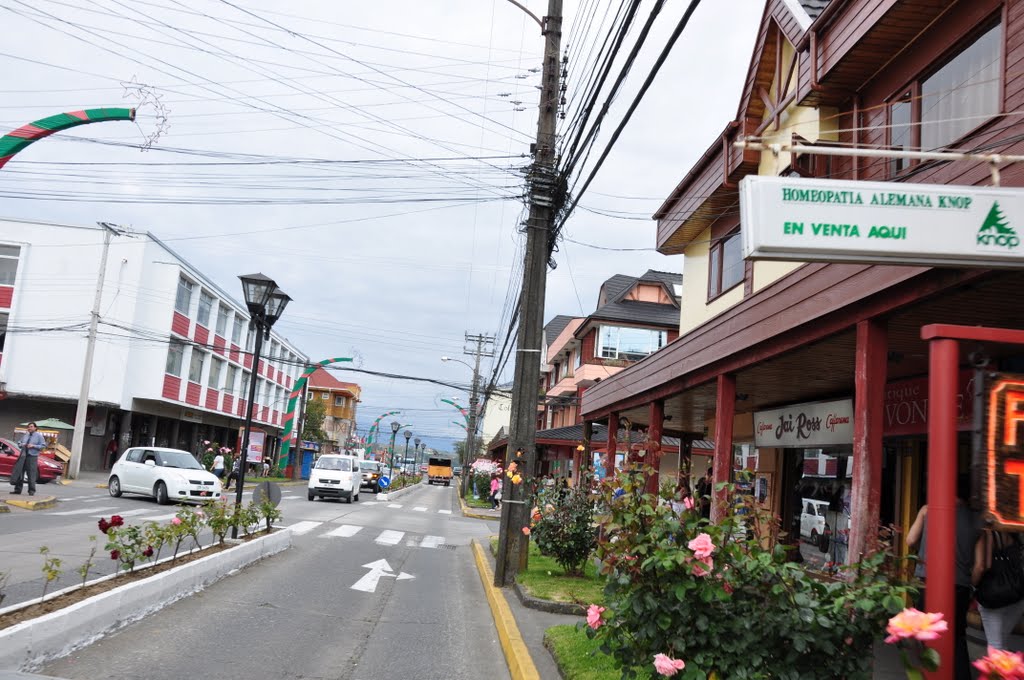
(497, 414)
(171, 366)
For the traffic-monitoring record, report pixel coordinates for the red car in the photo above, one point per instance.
(49, 469)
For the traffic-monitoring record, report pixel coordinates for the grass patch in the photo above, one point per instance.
(578, 657)
(478, 502)
(546, 580)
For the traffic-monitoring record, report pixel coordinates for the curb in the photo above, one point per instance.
(28, 645)
(391, 495)
(44, 503)
(517, 656)
(467, 513)
(548, 606)
(4, 508)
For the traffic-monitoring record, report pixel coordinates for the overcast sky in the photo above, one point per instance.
(322, 114)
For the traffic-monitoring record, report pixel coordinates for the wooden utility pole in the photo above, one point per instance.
(526, 382)
(484, 347)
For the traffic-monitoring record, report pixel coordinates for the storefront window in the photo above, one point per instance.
(821, 502)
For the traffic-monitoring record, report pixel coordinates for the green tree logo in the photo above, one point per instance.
(996, 231)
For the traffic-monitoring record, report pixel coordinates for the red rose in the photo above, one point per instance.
(116, 520)
(115, 554)
(104, 525)
(148, 552)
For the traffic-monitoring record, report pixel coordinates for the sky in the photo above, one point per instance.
(367, 156)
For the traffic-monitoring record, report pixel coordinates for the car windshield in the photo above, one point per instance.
(177, 459)
(339, 464)
(368, 465)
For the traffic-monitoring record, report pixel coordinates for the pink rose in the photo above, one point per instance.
(701, 546)
(526, 531)
(667, 666)
(1000, 664)
(594, 616)
(703, 566)
(176, 521)
(911, 623)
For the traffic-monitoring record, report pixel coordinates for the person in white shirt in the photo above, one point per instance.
(217, 466)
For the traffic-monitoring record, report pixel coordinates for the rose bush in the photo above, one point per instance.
(725, 599)
(562, 526)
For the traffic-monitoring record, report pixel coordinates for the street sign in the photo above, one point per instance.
(1004, 443)
(368, 583)
(265, 491)
(822, 220)
(384, 482)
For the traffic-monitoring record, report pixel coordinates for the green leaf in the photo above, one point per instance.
(930, 659)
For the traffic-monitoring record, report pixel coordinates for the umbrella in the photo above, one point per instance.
(51, 424)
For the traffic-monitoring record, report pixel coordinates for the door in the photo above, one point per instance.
(135, 474)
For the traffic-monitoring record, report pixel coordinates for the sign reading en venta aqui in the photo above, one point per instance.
(1003, 485)
(817, 220)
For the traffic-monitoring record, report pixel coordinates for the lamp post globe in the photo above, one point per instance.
(395, 427)
(416, 452)
(257, 289)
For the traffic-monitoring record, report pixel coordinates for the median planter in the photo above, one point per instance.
(29, 644)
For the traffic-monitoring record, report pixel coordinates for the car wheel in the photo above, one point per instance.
(114, 487)
(814, 536)
(160, 493)
(357, 496)
(311, 496)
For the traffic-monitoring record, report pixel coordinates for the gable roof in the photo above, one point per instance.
(322, 380)
(813, 7)
(616, 308)
(555, 327)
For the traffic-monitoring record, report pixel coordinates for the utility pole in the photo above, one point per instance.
(481, 341)
(78, 438)
(298, 454)
(526, 382)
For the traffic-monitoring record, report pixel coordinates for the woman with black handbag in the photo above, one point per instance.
(999, 584)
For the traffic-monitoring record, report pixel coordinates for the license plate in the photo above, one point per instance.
(204, 493)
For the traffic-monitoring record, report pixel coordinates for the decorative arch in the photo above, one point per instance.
(15, 141)
(293, 398)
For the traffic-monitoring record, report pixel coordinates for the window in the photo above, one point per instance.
(205, 307)
(250, 338)
(216, 368)
(901, 131)
(135, 456)
(339, 401)
(726, 265)
(175, 354)
(630, 344)
(3, 330)
(232, 377)
(8, 264)
(564, 369)
(183, 300)
(577, 358)
(324, 396)
(222, 320)
(309, 396)
(195, 367)
(244, 392)
(266, 393)
(236, 329)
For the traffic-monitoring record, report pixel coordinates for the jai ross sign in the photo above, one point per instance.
(827, 423)
(881, 222)
(1004, 430)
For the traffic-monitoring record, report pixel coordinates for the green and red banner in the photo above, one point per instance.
(15, 141)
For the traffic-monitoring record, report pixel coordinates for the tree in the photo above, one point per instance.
(313, 422)
(460, 451)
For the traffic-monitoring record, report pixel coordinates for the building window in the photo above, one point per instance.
(577, 358)
(339, 401)
(195, 366)
(266, 393)
(310, 396)
(8, 264)
(630, 344)
(232, 376)
(901, 130)
(236, 329)
(244, 392)
(216, 367)
(725, 268)
(183, 300)
(564, 369)
(175, 355)
(205, 307)
(324, 396)
(222, 320)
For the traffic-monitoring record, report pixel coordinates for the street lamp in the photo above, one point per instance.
(405, 460)
(395, 427)
(416, 452)
(266, 303)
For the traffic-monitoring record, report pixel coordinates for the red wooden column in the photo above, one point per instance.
(613, 435)
(656, 418)
(725, 413)
(869, 396)
(940, 554)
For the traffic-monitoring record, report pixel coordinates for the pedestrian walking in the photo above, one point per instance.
(495, 491)
(997, 561)
(111, 453)
(234, 474)
(31, 445)
(266, 467)
(705, 487)
(217, 466)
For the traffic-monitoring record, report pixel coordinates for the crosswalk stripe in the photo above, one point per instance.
(344, 531)
(431, 541)
(389, 537)
(126, 513)
(300, 528)
(444, 512)
(394, 505)
(420, 509)
(161, 518)
(97, 499)
(83, 511)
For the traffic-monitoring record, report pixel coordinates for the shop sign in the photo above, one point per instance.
(822, 220)
(191, 416)
(1004, 460)
(257, 440)
(906, 405)
(826, 423)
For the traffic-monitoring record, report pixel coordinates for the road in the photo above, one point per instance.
(297, 615)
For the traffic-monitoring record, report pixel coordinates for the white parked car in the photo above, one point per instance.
(335, 476)
(165, 474)
(812, 519)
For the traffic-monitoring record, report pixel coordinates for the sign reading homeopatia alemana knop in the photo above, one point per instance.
(819, 220)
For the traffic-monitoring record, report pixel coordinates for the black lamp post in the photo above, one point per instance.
(416, 453)
(395, 426)
(405, 460)
(266, 303)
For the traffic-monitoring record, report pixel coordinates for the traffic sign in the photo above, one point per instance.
(266, 491)
(384, 482)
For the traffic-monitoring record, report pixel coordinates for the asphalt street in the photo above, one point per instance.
(317, 610)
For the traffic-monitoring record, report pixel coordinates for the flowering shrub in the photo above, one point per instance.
(564, 529)
(909, 630)
(723, 598)
(1000, 665)
(219, 514)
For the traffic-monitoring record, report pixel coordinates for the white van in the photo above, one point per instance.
(335, 476)
(812, 519)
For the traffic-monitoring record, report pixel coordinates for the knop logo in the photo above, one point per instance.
(995, 232)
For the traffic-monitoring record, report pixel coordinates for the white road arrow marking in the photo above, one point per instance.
(368, 583)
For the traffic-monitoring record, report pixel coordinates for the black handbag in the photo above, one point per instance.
(1002, 584)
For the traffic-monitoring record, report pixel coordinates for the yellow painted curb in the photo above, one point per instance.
(517, 656)
(44, 503)
(4, 508)
(101, 486)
